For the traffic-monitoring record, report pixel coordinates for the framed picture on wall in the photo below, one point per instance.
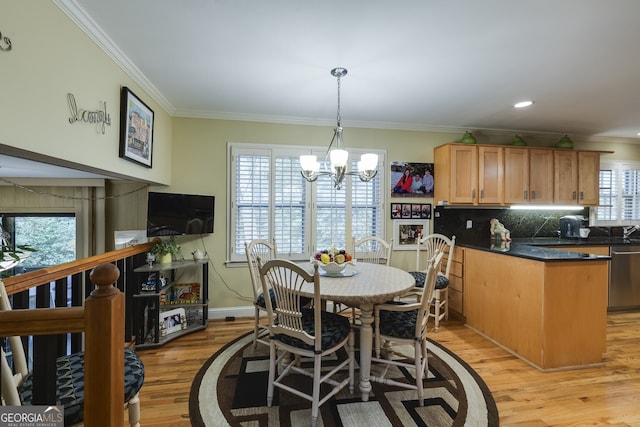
(410, 179)
(136, 129)
(406, 232)
(410, 210)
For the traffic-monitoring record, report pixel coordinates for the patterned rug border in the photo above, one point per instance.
(194, 401)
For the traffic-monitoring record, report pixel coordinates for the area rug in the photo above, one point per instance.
(231, 387)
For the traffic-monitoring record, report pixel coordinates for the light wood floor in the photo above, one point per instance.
(608, 395)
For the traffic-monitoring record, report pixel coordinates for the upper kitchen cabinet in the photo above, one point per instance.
(565, 166)
(456, 169)
(576, 177)
(490, 175)
(516, 172)
(588, 178)
(469, 174)
(528, 176)
(540, 176)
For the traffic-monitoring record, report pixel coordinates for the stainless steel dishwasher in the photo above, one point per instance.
(624, 278)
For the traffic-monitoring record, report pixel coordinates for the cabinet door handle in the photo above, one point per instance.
(482, 194)
(526, 194)
(473, 193)
(574, 195)
(533, 195)
(582, 195)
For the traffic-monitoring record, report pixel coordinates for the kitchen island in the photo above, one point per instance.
(546, 306)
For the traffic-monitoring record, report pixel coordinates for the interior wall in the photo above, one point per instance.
(43, 67)
(200, 166)
(125, 208)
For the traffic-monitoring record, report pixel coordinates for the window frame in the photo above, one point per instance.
(236, 255)
(619, 166)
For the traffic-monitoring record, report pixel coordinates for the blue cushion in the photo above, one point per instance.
(399, 324)
(335, 328)
(70, 383)
(441, 281)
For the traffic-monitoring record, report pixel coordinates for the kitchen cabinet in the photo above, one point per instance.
(490, 175)
(528, 176)
(516, 176)
(588, 178)
(540, 176)
(565, 173)
(456, 283)
(468, 174)
(166, 307)
(456, 166)
(554, 316)
(576, 175)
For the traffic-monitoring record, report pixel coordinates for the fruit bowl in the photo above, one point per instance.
(333, 268)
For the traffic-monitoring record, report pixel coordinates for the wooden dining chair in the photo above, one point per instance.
(266, 251)
(370, 249)
(427, 247)
(405, 323)
(17, 380)
(304, 331)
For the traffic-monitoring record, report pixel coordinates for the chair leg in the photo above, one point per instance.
(134, 411)
(317, 367)
(436, 298)
(256, 328)
(446, 303)
(419, 370)
(272, 372)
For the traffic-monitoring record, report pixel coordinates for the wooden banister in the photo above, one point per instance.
(104, 354)
(25, 281)
(102, 319)
(41, 321)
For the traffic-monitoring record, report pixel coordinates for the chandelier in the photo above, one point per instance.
(338, 156)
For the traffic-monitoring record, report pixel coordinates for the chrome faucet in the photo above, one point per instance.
(628, 231)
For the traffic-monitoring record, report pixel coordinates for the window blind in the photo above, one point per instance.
(269, 199)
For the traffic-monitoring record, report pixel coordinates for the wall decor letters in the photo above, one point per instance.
(100, 117)
(5, 43)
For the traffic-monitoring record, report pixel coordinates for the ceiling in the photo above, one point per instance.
(416, 64)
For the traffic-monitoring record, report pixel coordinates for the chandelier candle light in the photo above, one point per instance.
(367, 166)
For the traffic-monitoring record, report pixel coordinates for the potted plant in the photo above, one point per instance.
(9, 256)
(165, 250)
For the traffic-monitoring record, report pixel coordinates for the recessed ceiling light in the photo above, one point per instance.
(523, 104)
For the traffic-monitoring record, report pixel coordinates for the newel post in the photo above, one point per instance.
(104, 350)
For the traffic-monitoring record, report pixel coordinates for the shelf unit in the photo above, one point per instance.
(148, 306)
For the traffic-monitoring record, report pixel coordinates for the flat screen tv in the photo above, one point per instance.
(172, 214)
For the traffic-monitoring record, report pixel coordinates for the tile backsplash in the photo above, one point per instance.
(471, 224)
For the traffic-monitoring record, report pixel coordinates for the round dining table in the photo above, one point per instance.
(363, 285)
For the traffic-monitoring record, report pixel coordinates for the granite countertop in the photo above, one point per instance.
(534, 248)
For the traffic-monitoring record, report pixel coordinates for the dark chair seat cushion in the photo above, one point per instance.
(335, 328)
(260, 301)
(441, 281)
(399, 324)
(70, 382)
